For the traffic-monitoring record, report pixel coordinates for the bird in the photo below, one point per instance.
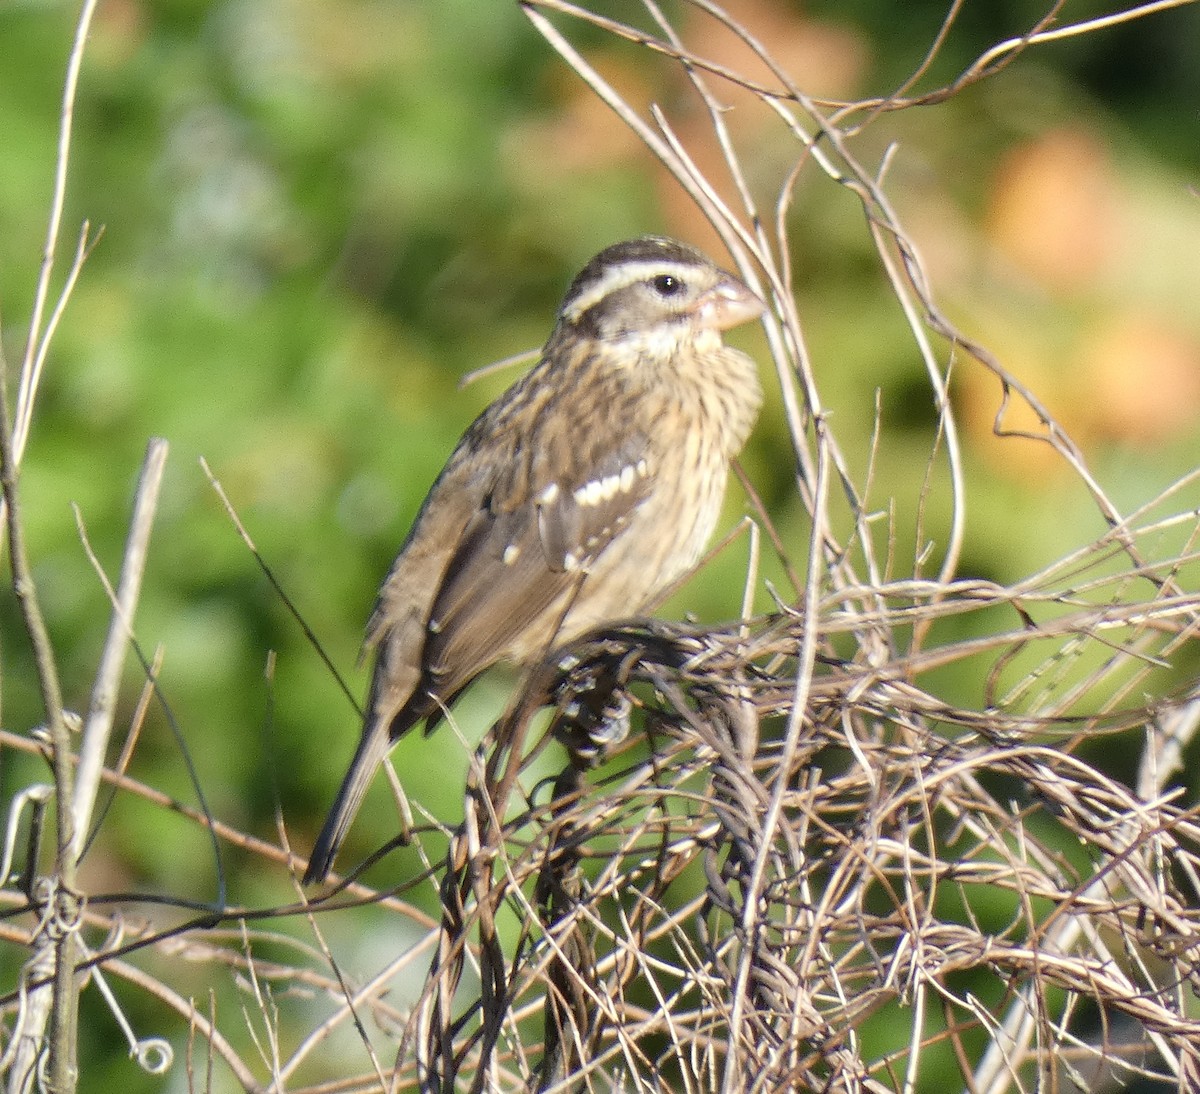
(588, 487)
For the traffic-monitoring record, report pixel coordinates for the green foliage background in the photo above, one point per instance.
(318, 216)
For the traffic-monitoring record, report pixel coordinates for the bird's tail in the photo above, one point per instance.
(372, 748)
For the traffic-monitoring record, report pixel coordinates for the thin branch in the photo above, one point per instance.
(97, 727)
(37, 342)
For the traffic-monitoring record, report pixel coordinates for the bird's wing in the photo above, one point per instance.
(527, 547)
(511, 543)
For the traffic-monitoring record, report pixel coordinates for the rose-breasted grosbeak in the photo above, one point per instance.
(584, 490)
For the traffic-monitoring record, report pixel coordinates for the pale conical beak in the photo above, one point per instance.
(727, 304)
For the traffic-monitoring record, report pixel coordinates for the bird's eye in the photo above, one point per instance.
(666, 284)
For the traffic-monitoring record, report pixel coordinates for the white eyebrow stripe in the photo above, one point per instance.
(622, 275)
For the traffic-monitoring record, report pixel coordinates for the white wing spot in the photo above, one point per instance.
(549, 495)
(570, 562)
(598, 491)
(511, 553)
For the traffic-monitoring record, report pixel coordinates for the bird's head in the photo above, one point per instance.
(655, 294)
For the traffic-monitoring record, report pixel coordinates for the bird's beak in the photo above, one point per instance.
(727, 304)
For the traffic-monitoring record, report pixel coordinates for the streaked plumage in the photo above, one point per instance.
(586, 488)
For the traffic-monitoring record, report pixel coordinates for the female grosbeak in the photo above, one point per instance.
(583, 491)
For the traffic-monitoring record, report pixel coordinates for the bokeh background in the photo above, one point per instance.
(319, 215)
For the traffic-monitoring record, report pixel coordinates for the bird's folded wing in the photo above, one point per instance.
(524, 553)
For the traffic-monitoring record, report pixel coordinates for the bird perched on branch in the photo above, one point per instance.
(578, 495)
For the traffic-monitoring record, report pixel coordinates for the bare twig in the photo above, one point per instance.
(97, 727)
